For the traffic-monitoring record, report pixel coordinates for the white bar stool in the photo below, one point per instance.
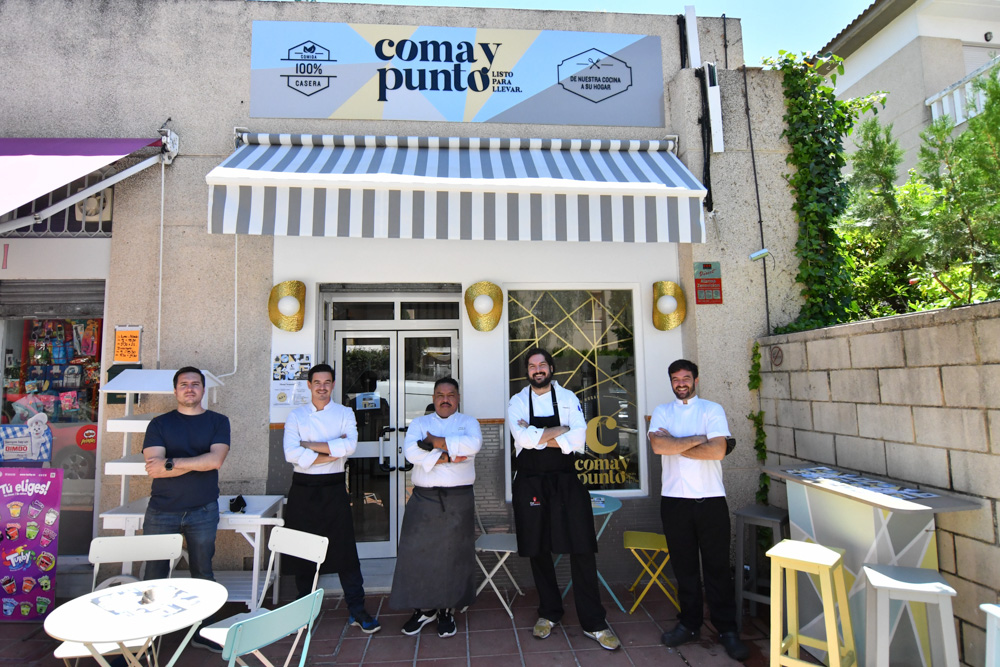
(992, 634)
(912, 584)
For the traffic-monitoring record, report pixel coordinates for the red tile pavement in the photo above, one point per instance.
(486, 637)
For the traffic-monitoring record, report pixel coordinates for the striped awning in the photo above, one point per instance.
(456, 188)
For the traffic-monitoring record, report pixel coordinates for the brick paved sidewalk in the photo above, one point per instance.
(486, 636)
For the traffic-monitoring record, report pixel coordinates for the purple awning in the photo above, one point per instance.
(31, 168)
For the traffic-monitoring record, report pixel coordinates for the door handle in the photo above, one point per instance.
(407, 466)
(382, 465)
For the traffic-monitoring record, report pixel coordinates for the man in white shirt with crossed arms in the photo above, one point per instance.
(690, 436)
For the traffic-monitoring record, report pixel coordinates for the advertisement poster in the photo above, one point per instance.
(31, 441)
(470, 75)
(29, 514)
(289, 373)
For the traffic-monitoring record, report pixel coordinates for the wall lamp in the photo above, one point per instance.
(669, 305)
(286, 306)
(484, 304)
(760, 254)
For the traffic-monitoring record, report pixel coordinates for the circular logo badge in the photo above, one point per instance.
(86, 438)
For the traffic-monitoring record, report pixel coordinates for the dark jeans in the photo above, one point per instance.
(583, 571)
(693, 527)
(352, 582)
(198, 527)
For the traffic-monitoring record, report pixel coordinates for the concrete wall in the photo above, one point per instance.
(126, 67)
(915, 398)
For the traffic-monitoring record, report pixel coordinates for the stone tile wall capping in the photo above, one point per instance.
(915, 398)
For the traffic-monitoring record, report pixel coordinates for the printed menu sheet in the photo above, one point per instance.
(850, 479)
(156, 601)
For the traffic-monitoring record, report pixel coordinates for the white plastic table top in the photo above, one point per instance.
(80, 620)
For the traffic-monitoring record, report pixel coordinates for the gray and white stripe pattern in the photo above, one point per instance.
(456, 188)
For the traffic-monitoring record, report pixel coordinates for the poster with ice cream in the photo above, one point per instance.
(29, 518)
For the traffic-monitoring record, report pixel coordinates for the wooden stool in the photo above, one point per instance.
(646, 547)
(755, 516)
(792, 557)
(912, 584)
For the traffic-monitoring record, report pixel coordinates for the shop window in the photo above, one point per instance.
(590, 334)
(52, 375)
(429, 310)
(362, 310)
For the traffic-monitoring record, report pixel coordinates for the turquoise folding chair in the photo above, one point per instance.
(251, 635)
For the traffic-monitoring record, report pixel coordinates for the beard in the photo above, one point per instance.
(540, 383)
(685, 393)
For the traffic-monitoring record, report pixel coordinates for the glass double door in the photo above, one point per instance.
(387, 378)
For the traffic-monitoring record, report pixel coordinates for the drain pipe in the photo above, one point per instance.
(236, 310)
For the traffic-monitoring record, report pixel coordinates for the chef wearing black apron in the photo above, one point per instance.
(552, 509)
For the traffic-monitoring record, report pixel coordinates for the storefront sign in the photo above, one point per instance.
(708, 282)
(462, 75)
(29, 514)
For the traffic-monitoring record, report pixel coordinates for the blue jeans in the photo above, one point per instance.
(198, 527)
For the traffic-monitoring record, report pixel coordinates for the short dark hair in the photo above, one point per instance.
(185, 371)
(535, 351)
(446, 380)
(321, 368)
(683, 365)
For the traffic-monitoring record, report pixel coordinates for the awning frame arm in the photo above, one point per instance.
(168, 152)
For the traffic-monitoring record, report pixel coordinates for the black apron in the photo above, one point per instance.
(319, 504)
(552, 510)
(436, 562)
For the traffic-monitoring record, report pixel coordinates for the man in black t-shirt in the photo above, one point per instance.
(184, 450)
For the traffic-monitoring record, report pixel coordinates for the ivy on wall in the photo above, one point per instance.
(815, 125)
(757, 418)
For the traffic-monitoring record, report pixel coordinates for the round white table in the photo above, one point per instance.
(119, 614)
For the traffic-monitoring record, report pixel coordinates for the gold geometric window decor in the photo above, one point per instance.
(590, 334)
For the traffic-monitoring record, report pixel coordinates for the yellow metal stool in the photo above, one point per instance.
(789, 557)
(647, 547)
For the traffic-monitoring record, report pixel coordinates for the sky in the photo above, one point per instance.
(768, 25)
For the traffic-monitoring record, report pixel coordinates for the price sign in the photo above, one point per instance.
(127, 342)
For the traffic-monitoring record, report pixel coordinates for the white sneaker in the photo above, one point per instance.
(543, 628)
(606, 638)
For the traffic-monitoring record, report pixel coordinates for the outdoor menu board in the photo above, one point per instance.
(29, 517)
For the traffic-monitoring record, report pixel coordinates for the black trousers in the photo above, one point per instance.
(583, 570)
(351, 581)
(696, 527)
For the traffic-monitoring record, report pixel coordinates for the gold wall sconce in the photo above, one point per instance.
(669, 306)
(484, 304)
(287, 305)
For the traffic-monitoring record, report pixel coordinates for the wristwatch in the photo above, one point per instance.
(169, 464)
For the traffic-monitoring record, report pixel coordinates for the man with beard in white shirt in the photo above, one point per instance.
(552, 510)
(690, 436)
(437, 544)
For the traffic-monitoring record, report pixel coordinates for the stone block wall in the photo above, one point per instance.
(915, 398)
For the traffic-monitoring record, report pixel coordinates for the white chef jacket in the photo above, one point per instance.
(334, 425)
(462, 437)
(570, 414)
(683, 477)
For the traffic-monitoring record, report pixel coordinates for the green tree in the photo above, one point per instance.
(941, 227)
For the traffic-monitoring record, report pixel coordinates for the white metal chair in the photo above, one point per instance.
(992, 634)
(286, 542)
(123, 549)
(502, 545)
(251, 634)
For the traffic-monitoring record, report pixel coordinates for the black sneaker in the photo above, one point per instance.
(735, 648)
(446, 623)
(365, 621)
(679, 635)
(200, 642)
(419, 620)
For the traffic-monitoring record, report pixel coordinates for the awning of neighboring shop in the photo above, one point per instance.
(456, 188)
(31, 168)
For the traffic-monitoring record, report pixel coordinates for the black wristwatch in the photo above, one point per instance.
(168, 465)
